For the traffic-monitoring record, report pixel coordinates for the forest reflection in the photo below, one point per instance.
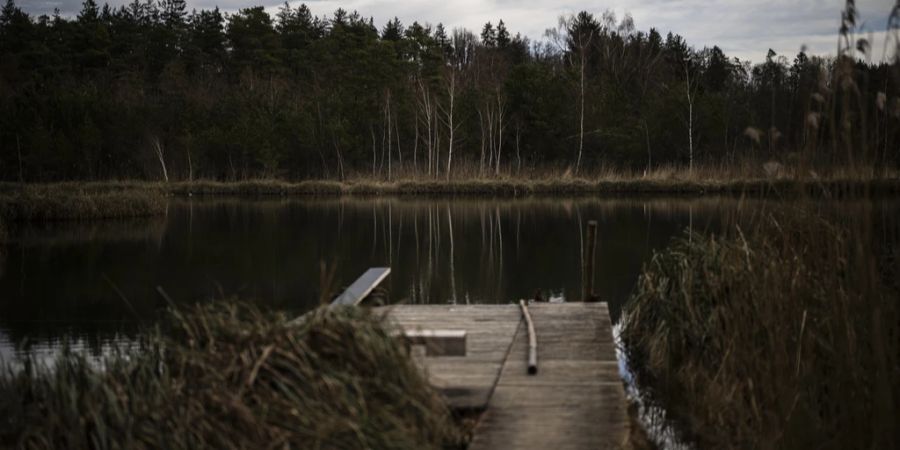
(100, 279)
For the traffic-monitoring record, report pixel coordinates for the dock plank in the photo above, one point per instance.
(467, 382)
(576, 400)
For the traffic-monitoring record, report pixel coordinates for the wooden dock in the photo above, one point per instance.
(576, 399)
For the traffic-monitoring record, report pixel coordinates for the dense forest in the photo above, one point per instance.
(153, 91)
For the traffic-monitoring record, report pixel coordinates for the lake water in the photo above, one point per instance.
(93, 284)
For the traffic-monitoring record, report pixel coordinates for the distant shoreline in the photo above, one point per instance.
(547, 187)
(502, 187)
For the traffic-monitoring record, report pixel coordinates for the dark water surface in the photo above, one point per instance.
(93, 283)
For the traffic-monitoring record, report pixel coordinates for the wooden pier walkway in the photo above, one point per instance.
(576, 399)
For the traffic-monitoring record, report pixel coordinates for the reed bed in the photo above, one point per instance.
(517, 187)
(71, 201)
(82, 187)
(783, 334)
(257, 187)
(227, 375)
(738, 179)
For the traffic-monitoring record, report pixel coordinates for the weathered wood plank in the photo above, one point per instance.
(576, 399)
(564, 372)
(467, 382)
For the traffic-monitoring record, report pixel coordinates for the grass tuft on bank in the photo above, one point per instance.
(227, 375)
(783, 335)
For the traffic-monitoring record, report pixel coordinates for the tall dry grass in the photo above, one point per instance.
(80, 201)
(97, 199)
(746, 169)
(662, 181)
(781, 334)
(227, 375)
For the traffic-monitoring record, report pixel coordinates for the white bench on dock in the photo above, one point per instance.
(438, 342)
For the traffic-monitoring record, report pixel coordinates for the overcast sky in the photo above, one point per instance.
(742, 28)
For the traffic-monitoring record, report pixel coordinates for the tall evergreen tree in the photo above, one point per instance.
(488, 35)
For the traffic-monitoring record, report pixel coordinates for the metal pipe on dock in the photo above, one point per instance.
(532, 339)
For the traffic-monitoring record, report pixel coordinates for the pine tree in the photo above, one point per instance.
(502, 35)
(393, 30)
(173, 12)
(89, 12)
(489, 35)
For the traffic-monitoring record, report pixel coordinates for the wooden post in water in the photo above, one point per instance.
(588, 276)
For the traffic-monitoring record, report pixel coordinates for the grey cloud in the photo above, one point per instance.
(743, 28)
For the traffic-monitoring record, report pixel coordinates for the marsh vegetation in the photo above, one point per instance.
(227, 375)
(73, 201)
(778, 332)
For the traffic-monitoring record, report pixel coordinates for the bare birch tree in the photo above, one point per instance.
(157, 147)
(450, 78)
(190, 163)
(572, 39)
(691, 95)
(501, 110)
(426, 105)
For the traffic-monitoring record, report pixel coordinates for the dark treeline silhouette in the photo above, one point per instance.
(150, 90)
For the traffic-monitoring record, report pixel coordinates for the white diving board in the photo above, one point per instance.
(362, 287)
